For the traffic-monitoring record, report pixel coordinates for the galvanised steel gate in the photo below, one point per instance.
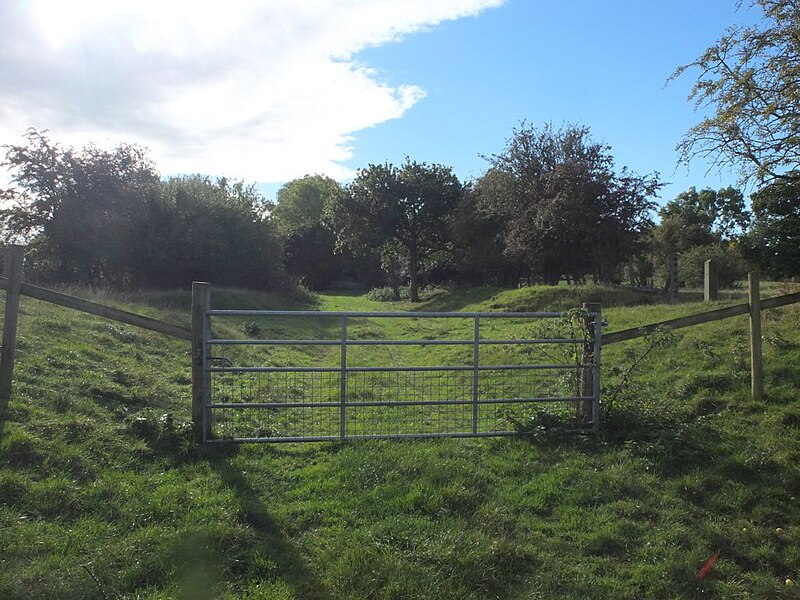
(359, 385)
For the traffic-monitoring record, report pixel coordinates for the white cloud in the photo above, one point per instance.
(265, 91)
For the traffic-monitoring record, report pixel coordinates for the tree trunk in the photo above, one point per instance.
(412, 273)
(673, 278)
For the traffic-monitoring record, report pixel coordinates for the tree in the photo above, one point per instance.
(401, 211)
(730, 264)
(751, 79)
(478, 242)
(309, 256)
(76, 208)
(309, 243)
(566, 211)
(212, 230)
(301, 202)
(774, 239)
(708, 215)
(708, 219)
(101, 217)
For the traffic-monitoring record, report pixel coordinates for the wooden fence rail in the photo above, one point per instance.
(101, 310)
(698, 319)
(14, 287)
(753, 308)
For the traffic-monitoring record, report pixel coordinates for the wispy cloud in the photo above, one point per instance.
(266, 91)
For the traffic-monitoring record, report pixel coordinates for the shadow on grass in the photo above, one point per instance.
(7, 414)
(671, 446)
(288, 299)
(707, 457)
(3, 418)
(290, 565)
(255, 554)
(457, 300)
(346, 292)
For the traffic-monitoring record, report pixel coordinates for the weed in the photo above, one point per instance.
(659, 338)
(251, 329)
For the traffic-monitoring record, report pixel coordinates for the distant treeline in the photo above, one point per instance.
(551, 206)
(106, 218)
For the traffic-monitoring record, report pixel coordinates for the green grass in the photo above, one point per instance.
(102, 494)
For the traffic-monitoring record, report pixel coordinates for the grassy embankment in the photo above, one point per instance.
(100, 498)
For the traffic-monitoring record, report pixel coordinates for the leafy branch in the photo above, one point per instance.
(661, 337)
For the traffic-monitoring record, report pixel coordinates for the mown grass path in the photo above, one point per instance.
(103, 496)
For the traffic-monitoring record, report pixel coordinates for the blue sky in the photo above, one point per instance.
(267, 91)
(602, 64)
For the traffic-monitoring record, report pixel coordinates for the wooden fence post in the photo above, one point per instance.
(15, 257)
(710, 281)
(201, 302)
(756, 365)
(586, 412)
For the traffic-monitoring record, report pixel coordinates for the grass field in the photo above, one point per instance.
(102, 495)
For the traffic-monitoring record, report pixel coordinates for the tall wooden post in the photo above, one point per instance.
(589, 381)
(14, 261)
(710, 281)
(201, 303)
(756, 365)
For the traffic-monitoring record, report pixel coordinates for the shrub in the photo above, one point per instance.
(731, 266)
(386, 294)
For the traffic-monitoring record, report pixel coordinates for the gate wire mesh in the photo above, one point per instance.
(506, 373)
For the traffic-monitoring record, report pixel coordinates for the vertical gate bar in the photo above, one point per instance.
(475, 374)
(208, 428)
(343, 384)
(201, 300)
(585, 407)
(598, 327)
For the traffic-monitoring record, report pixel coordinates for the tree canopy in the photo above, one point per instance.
(403, 211)
(213, 230)
(567, 212)
(713, 215)
(751, 80)
(774, 239)
(79, 209)
(479, 255)
(700, 225)
(301, 202)
(102, 217)
(551, 205)
(308, 241)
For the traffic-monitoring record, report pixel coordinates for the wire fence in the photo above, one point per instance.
(440, 374)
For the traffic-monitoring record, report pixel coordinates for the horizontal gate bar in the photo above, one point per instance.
(392, 315)
(377, 436)
(369, 403)
(391, 369)
(278, 405)
(251, 440)
(233, 342)
(273, 369)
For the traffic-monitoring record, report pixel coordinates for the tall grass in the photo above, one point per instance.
(102, 495)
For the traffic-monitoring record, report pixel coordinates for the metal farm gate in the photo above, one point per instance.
(346, 382)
